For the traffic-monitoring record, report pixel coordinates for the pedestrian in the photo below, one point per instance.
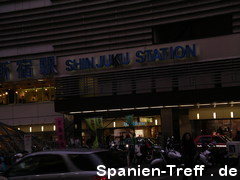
(189, 153)
(108, 139)
(2, 163)
(160, 140)
(220, 131)
(138, 153)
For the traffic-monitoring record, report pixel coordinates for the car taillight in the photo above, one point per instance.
(100, 178)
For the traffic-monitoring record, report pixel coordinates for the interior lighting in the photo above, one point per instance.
(6, 93)
(42, 128)
(114, 124)
(198, 116)
(30, 129)
(232, 115)
(214, 115)
(54, 127)
(156, 122)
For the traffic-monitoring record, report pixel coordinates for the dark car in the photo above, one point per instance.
(64, 165)
(216, 144)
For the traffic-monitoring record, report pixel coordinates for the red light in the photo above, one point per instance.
(100, 178)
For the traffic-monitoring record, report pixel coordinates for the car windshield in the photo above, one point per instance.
(205, 139)
(226, 138)
(218, 139)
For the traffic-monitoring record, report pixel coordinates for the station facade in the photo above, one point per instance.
(114, 68)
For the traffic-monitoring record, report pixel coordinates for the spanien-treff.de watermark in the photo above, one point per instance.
(171, 170)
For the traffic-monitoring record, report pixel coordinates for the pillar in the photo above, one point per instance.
(170, 123)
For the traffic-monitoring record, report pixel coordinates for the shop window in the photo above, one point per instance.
(193, 29)
(12, 96)
(3, 98)
(146, 119)
(35, 95)
(139, 133)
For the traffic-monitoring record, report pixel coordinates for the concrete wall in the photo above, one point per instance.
(26, 114)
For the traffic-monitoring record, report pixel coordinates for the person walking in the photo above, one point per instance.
(189, 153)
(160, 140)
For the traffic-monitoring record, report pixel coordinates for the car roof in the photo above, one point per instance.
(68, 151)
(210, 136)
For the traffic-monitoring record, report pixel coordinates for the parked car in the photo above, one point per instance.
(216, 144)
(75, 164)
(217, 141)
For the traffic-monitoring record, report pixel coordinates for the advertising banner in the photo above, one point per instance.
(94, 124)
(60, 132)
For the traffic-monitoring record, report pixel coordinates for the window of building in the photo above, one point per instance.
(35, 95)
(193, 29)
(24, 93)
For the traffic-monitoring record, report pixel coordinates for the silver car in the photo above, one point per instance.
(64, 165)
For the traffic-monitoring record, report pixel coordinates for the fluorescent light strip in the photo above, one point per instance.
(77, 112)
(103, 110)
(204, 104)
(170, 106)
(156, 107)
(235, 103)
(187, 105)
(114, 110)
(126, 109)
(87, 111)
(221, 103)
(152, 107)
(142, 108)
